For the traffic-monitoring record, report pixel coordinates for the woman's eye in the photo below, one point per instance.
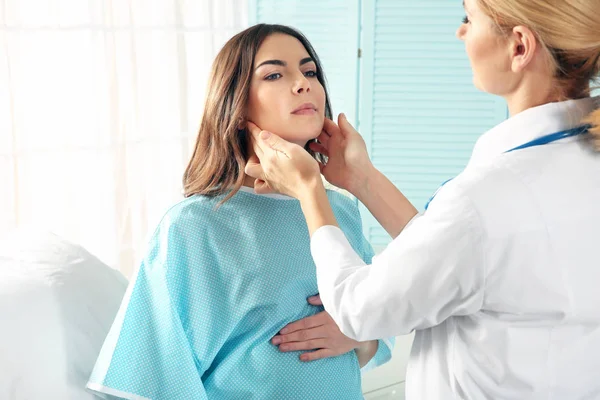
(465, 20)
(273, 77)
(310, 74)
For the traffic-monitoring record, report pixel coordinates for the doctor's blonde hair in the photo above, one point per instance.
(569, 31)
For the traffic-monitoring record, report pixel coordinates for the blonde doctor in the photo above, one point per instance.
(500, 276)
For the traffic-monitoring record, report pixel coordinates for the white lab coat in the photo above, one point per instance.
(499, 278)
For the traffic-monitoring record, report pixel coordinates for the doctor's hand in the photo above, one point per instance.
(348, 164)
(317, 334)
(280, 166)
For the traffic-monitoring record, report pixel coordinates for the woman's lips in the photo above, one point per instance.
(305, 109)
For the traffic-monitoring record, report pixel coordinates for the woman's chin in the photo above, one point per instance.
(297, 131)
(301, 133)
(310, 129)
(303, 136)
(300, 140)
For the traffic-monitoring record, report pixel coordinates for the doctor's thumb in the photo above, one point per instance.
(265, 135)
(273, 141)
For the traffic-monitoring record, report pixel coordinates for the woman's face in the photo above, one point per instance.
(487, 51)
(286, 97)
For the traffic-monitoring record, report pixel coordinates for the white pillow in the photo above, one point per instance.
(57, 303)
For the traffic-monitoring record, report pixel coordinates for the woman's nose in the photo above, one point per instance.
(302, 85)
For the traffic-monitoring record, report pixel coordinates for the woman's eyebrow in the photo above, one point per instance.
(283, 63)
(272, 62)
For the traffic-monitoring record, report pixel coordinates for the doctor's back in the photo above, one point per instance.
(535, 214)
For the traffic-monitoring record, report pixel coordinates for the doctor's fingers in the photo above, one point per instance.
(308, 345)
(319, 148)
(331, 128)
(345, 126)
(269, 144)
(323, 138)
(258, 144)
(254, 169)
(262, 187)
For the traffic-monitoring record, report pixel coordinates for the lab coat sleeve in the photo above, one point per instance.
(433, 270)
(349, 218)
(386, 345)
(147, 354)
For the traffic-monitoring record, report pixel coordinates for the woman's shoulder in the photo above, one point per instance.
(195, 206)
(188, 215)
(341, 200)
(182, 230)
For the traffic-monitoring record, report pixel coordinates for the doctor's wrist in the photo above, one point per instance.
(309, 188)
(315, 206)
(360, 186)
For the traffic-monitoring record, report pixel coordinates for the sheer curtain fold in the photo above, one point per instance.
(100, 102)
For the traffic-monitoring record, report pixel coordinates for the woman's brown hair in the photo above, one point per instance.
(221, 151)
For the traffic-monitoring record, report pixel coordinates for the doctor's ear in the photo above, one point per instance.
(523, 45)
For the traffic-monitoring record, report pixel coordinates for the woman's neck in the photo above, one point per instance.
(248, 181)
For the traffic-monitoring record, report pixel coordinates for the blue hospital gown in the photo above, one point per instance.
(213, 289)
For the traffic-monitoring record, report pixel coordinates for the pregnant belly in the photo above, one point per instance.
(263, 372)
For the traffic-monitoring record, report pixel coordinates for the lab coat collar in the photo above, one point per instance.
(532, 124)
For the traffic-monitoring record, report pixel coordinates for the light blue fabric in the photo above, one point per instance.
(215, 286)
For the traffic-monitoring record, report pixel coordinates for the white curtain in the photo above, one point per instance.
(100, 102)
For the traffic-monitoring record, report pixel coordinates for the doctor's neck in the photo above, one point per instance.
(534, 93)
(538, 87)
(524, 99)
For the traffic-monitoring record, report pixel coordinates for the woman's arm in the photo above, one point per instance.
(147, 353)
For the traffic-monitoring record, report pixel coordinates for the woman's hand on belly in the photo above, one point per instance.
(317, 334)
